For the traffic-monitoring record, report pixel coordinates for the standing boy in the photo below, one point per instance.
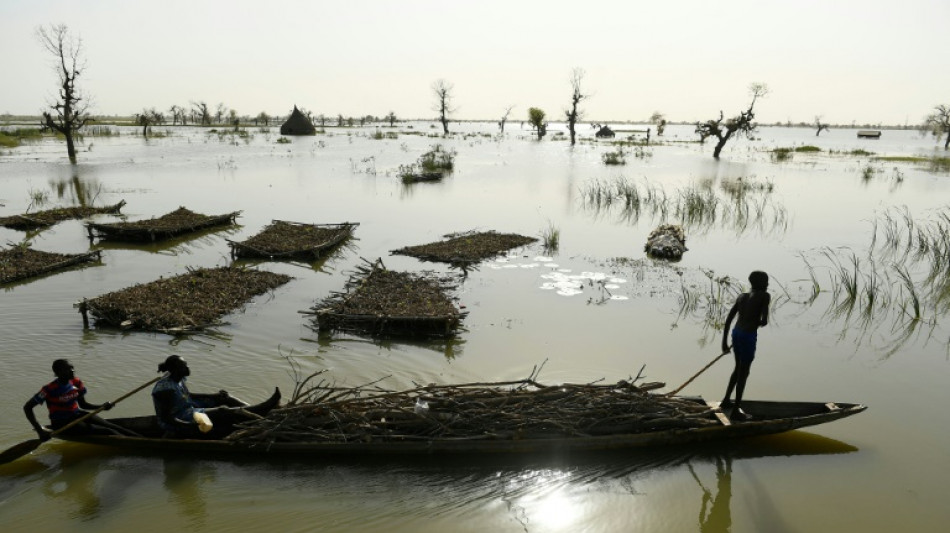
(753, 310)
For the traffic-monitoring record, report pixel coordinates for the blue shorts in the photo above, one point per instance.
(743, 344)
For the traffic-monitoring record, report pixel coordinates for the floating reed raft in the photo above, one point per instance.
(384, 302)
(522, 409)
(289, 240)
(22, 262)
(176, 223)
(466, 248)
(42, 219)
(190, 302)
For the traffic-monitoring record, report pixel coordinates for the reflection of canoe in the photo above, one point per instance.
(767, 418)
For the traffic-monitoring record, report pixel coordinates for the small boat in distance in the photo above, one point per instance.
(766, 417)
(869, 134)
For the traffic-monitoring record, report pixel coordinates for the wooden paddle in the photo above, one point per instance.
(19, 450)
(696, 375)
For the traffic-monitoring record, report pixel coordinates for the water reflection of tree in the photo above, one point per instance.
(82, 192)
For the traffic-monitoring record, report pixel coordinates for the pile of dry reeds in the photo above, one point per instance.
(466, 248)
(22, 262)
(521, 409)
(282, 239)
(385, 302)
(189, 302)
(177, 222)
(49, 217)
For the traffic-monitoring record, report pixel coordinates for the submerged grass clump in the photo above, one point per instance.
(746, 204)
(551, 238)
(430, 166)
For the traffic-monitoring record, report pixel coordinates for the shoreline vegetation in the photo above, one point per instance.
(33, 121)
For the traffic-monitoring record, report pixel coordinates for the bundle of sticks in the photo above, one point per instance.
(523, 409)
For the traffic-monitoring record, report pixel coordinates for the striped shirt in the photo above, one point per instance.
(62, 400)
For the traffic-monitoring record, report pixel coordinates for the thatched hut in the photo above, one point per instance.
(604, 133)
(297, 124)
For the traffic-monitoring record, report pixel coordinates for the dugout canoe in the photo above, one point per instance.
(767, 418)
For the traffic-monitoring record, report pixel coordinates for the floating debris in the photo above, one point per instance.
(407, 175)
(22, 262)
(42, 219)
(667, 242)
(522, 409)
(189, 302)
(466, 248)
(383, 302)
(431, 166)
(177, 222)
(288, 240)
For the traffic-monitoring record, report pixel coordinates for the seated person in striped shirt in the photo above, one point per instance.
(65, 398)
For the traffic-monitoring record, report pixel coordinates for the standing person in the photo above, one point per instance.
(175, 405)
(65, 398)
(753, 310)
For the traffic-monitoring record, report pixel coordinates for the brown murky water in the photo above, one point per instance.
(594, 309)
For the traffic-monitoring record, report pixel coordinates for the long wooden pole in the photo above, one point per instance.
(696, 375)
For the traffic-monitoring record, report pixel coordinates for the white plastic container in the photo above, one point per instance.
(204, 423)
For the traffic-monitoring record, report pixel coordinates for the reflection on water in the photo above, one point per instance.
(506, 493)
(76, 190)
(186, 481)
(715, 514)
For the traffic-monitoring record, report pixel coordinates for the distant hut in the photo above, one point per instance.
(604, 133)
(297, 124)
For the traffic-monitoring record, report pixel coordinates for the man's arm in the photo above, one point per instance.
(83, 404)
(765, 310)
(42, 432)
(725, 329)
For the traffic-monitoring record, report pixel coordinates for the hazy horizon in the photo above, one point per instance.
(871, 62)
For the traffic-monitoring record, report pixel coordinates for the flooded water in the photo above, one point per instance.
(595, 308)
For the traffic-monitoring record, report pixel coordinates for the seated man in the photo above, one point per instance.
(65, 398)
(175, 405)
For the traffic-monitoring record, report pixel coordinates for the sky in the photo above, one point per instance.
(870, 61)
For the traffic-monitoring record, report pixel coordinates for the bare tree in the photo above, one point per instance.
(178, 114)
(536, 119)
(148, 118)
(391, 117)
(262, 118)
(443, 102)
(743, 123)
(69, 112)
(504, 118)
(200, 113)
(577, 75)
(658, 120)
(819, 125)
(938, 123)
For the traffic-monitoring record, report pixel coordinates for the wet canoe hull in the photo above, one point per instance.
(767, 418)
